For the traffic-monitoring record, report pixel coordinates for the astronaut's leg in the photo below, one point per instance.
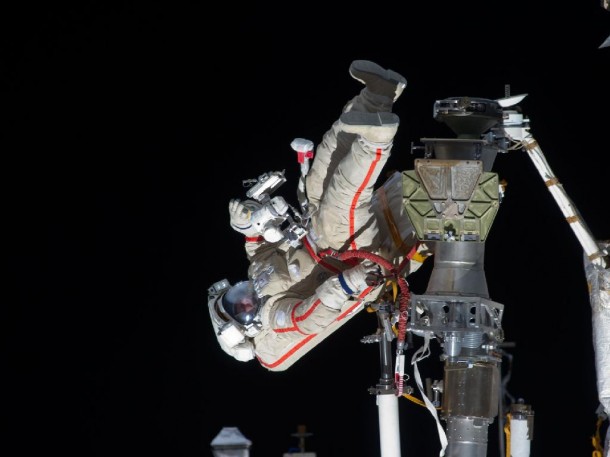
(345, 218)
(382, 89)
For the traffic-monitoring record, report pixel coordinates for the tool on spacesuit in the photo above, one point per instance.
(265, 185)
(273, 218)
(304, 150)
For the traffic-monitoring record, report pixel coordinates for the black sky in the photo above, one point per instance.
(128, 128)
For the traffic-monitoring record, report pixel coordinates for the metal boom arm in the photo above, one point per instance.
(519, 132)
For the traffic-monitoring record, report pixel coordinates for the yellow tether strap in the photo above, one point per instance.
(394, 232)
(507, 434)
(596, 439)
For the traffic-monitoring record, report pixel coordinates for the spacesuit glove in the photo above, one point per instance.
(354, 280)
(241, 215)
(243, 352)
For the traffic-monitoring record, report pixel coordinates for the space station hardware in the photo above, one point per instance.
(451, 198)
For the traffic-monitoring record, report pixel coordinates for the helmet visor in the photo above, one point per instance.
(241, 302)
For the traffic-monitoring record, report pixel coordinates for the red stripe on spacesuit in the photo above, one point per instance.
(367, 178)
(305, 340)
(254, 239)
(295, 319)
(307, 314)
(282, 359)
(317, 258)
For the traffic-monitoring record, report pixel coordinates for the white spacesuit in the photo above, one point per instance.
(297, 295)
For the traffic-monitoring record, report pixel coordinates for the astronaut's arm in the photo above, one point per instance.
(261, 235)
(242, 351)
(313, 314)
(292, 326)
(240, 216)
(255, 247)
(232, 341)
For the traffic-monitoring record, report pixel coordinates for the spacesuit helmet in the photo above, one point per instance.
(234, 311)
(241, 303)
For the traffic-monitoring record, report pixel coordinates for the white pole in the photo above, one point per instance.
(389, 430)
(520, 442)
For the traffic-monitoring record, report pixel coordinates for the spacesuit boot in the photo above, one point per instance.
(376, 128)
(378, 80)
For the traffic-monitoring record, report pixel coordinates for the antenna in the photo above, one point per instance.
(301, 434)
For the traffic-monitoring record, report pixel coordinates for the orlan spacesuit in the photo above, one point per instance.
(297, 295)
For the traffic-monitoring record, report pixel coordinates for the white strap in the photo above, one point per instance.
(421, 354)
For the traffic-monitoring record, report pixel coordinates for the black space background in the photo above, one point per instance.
(127, 128)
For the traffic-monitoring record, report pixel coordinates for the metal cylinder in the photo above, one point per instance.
(467, 437)
(471, 389)
(470, 404)
(458, 268)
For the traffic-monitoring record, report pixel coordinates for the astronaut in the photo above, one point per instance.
(295, 296)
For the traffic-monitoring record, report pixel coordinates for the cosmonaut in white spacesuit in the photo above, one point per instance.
(295, 296)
